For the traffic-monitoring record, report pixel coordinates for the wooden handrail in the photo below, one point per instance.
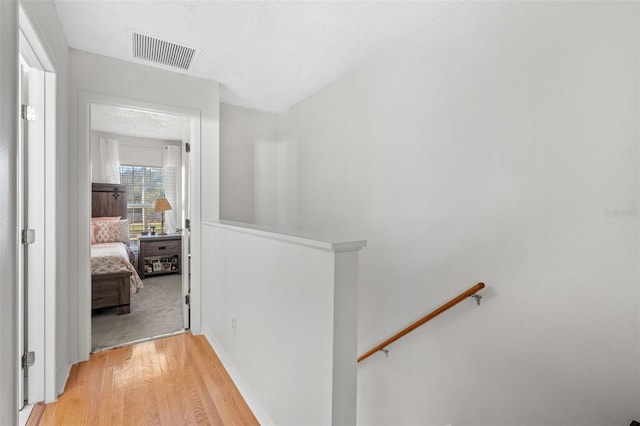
(451, 303)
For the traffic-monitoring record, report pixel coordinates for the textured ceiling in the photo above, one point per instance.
(136, 123)
(266, 55)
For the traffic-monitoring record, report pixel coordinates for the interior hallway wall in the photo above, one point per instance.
(241, 130)
(8, 219)
(498, 144)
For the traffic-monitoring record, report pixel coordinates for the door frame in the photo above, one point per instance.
(86, 99)
(41, 296)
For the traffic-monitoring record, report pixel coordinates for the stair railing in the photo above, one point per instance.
(451, 303)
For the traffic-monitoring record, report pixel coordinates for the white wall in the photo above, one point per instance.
(133, 151)
(494, 145)
(241, 131)
(8, 219)
(98, 74)
(293, 302)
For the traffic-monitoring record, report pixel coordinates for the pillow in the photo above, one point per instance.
(101, 219)
(111, 231)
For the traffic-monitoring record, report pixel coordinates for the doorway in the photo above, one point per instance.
(36, 213)
(192, 209)
(146, 152)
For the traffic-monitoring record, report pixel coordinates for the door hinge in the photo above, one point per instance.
(28, 236)
(187, 299)
(187, 147)
(187, 223)
(28, 359)
(28, 112)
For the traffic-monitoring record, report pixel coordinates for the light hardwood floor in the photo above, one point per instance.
(177, 380)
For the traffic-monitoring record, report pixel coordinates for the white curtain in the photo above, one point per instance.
(171, 166)
(110, 158)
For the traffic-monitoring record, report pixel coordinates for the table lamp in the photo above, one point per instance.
(162, 205)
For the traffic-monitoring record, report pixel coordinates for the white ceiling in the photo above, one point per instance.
(267, 55)
(141, 124)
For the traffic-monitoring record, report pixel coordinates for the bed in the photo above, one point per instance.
(114, 279)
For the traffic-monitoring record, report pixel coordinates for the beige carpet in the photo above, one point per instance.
(155, 310)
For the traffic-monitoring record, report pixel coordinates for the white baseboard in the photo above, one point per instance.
(261, 415)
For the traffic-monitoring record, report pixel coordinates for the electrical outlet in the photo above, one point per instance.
(234, 323)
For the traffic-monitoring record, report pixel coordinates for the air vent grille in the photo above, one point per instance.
(162, 52)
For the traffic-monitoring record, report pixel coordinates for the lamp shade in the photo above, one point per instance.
(162, 204)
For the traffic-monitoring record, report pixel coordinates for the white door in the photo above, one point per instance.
(23, 77)
(186, 231)
(35, 208)
(36, 211)
(31, 218)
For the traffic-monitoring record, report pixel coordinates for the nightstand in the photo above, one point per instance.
(160, 254)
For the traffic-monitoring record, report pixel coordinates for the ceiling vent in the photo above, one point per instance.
(162, 52)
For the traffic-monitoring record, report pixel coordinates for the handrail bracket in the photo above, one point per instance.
(477, 297)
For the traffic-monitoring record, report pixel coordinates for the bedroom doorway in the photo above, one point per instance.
(144, 154)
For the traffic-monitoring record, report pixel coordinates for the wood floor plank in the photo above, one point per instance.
(170, 381)
(151, 412)
(116, 406)
(227, 398)
(103, 415)
(209, 405)
(177, 367)
(161, 391)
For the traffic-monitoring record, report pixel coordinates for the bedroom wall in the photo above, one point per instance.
(43, 16)
(133, 150)
(498, 144)
(241, 130)
(98, 74)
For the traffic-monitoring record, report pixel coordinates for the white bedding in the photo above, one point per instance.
(113, 257)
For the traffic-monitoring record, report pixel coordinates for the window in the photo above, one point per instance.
(144, 187)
